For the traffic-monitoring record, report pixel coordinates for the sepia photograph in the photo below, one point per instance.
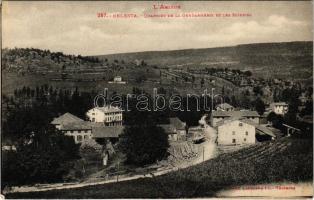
(156, 99)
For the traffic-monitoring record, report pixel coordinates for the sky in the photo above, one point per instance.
(73, 27)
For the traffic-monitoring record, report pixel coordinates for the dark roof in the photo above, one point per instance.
(224, 106)
(225, 121)
(235, 114)
(174, 124)
(107, 131)
(260, 129)
(307, 119)
(81, 125)
(66, 118)
(108, 109)
(168, 128)
(99, 130)
(265, 130)
(195, 129)
(278, 104)
(177, 123)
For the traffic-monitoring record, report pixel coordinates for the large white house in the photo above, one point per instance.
(280, 108)
(108, 115)
(235, 132)
(242, 131)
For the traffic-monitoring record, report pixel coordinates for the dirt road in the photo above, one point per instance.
(58, 186)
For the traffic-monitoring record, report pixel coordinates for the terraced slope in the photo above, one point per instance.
(286, 159)
(259, 152)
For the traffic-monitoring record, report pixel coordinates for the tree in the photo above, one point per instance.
(257, 90)
(234, 101)
(193, 79)
(140, 77)
(309, 91)
(248, 73)
(259, 106)
(276, 95)
(308, 110)
(202, 82)
(286, 94)
(21, 123)
(290, 118)
(42, 159)
(143, 63)
(276, 120)
(90, 147)
(227, 99)
(245, 102)
(144, 144)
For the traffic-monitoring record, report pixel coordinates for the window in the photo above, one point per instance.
(85, 131)
(85, 137)
(79, 131)
(233, 132)
(240, 124)
(79, 138)
(93, 119)
(71, 131)
(244, 139)
(233, 141)
(246, 133)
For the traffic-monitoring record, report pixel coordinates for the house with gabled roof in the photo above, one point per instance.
(66, 118)
(241, 131)
(82, 130)
(218, 115)
(280, 108)
(175, 129)
(74, 126)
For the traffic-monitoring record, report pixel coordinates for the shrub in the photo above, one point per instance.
(144, 144)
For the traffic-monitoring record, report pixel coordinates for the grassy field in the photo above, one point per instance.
(12, 81)
(286, 159)
(269, 60)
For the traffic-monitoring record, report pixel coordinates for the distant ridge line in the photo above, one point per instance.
(205, 48)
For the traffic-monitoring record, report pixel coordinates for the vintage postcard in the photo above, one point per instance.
(156, 99)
